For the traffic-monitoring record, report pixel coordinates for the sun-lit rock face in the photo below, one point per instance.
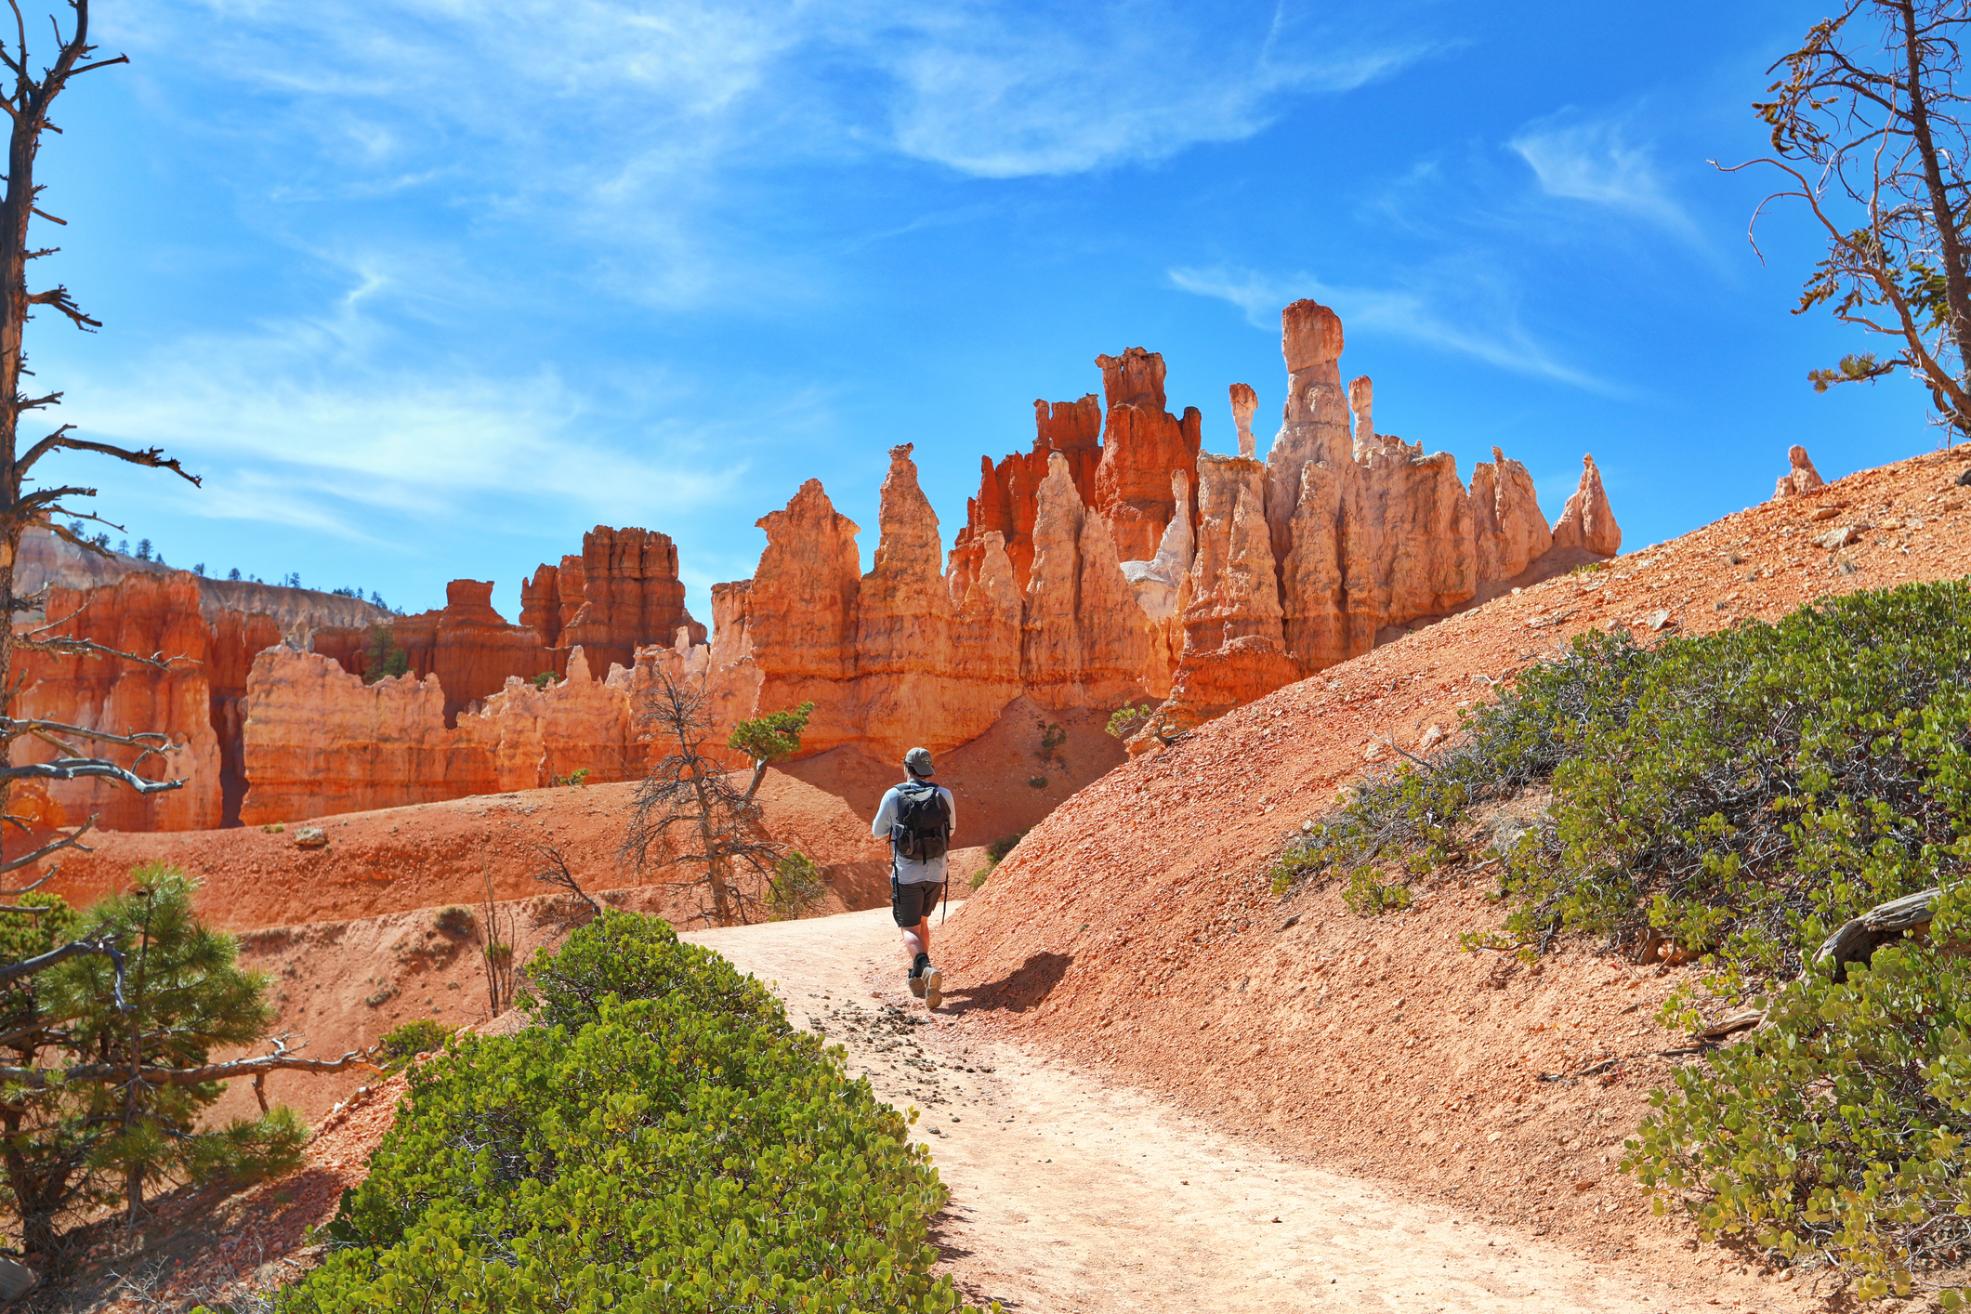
(1800, 477)
(915, 681)
(800, 614)
(318, 740)
(619, 593)
(1084, 641)
(1510, 530)
(1234, 645)
(154, 616)
(1113, 562)
(1361, 405)
(1315, 426)
(1142, 446)
(1008, 488)
(1587, 522)
(1244, 402)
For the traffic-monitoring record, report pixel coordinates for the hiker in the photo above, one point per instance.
(916, 817)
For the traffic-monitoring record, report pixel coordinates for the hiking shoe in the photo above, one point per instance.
(933, 983)
(916, 984)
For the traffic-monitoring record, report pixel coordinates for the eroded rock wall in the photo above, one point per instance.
(1112, 563)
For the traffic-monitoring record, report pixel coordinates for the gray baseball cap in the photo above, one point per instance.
(918, 762)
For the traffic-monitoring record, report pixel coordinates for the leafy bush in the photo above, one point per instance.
(1737, 797)
(542, 681)
(456, 922)
(1412, 819)
(422, 1035)
(1839, 1128)
(682, 1149)
(796, 887)
(573, 780)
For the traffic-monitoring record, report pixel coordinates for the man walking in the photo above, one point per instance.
(917, 818)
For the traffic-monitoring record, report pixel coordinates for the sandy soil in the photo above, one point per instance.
(1074, 1194)
(1134, 930)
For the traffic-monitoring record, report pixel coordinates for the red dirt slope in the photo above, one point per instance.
(433, 854)
(1134, 927)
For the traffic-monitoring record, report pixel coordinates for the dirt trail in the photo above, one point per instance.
(1073, 1195)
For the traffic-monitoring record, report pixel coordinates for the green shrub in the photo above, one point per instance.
(574, 779)
(383, 657)
(1415, 817)
(76, 1133)
(636, 957)
(456, 922)
(997, 850)
(542, 681)
(680, 1148)
(1738, 796)
(406, 1041)
(1837, 1129)
(797, 886)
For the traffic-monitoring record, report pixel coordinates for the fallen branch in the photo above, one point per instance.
(1855, 941)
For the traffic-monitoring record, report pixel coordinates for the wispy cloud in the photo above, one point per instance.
(322, 424)
(1600, 161)
(1468, 318)
(1091, 87)
(652, 132)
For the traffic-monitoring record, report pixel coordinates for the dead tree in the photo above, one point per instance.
(558, 874)
(28, 497)
(689, 813)
(1868, 128)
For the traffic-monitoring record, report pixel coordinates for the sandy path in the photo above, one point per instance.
(1072, 1195)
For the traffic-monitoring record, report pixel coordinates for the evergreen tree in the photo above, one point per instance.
(111, 1048)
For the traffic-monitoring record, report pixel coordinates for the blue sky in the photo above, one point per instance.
(425, 288)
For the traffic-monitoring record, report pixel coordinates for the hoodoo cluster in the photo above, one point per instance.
(1114, 562)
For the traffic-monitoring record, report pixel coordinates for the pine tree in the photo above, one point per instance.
(111, 1049)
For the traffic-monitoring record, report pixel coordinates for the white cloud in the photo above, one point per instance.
(333, 425)
(1090, 87)
(1463, 315)
(649, 131)
(1598, 162)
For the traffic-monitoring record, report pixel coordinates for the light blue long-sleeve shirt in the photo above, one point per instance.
(911, 871)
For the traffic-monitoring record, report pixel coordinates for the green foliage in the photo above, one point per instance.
(1127, 720)
(1853, 368)
(382, 658)
(1739, 796)
(635, 957)
(995, 854)
(1408, 821)
(796, 886)
(422, 1035)
(457, 922)
(1052, 736)
(1766, 784)
(1838, 1129)
(81, 1136)
(543, 680)
(661, 1139)
(771, 737)
(574, 779)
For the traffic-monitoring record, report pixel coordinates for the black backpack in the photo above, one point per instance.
(922, 829)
